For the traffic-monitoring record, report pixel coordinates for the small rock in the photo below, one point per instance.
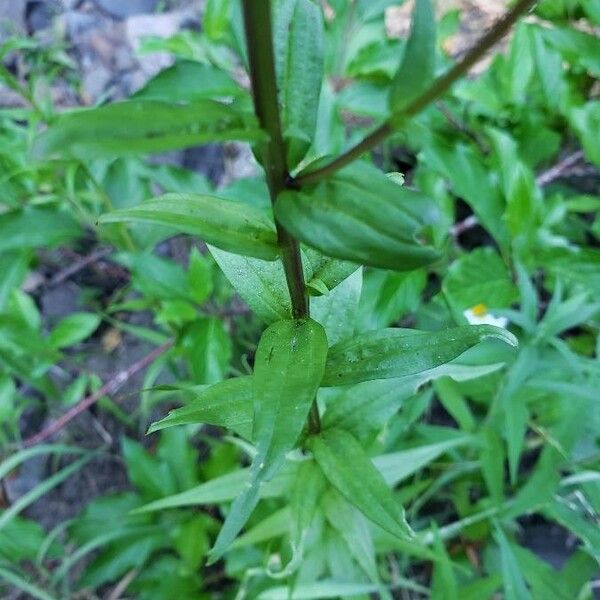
(123, 59)
(163, 26)
(208, 160)
(39, 15)
(122, 9)
(239, 163)
(78, 23)
(60, 301)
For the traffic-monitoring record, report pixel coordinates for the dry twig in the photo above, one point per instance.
(110, 387)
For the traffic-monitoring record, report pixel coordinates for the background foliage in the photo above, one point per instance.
(485, 451)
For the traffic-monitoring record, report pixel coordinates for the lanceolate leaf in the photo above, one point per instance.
(143, 127)
(515, 587)
(225, 404)
(351, 472)
(361, 215)
(400, 352)
(418, 63)
(232, 226)
(288, 368)
(260, 283)
(364, 408)
(304, 73)
(222, 489)
(187, 81)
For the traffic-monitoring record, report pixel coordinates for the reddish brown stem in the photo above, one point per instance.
(110, 387)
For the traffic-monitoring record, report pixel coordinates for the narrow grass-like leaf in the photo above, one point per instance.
(360, 215)
(288, 368)
(232, 226)
(399, 352)
(308, 487)
(397, 466)
(352, 526)
(301, 75)
(42, 488)
(13, 461)
(24, 585)
(353, 474)
(515, 587)
(225, 404)
(143, 127)
(319, 590)
(220, 489)
(417, 68)
(275, 525)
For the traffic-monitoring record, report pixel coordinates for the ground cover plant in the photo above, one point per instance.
(371, 369)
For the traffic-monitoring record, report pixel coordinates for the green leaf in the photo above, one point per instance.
(13, 266)
(288, 368)
(277, 524)
(391, 353)
(6, 516)
(452, 400)
(586, 120)
(485, 587)
(397, 466)
(480, 277)
(543, 580)
(319, 590)
(24, 585)
(352, 473)
(221, 489)
(577, 47)
(143, 127)
(298, 37)
(444, 585)
(226, 404)
(150, 476)
(306, 492)
(513, 402)
(216, 19)
(326, 272)
(472, 181)
(389, 296)
(232, 226)
(188, 81)
(352, 526)
(207, 347)
(260, 283)
(417, 68)
(32, 227)
(360, 215)
(337, 309)
(199, 276)
(73, 329)
(492, 463)
(515, 587)
(585, 529)
(17, 458)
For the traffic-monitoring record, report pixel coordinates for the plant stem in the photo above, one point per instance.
(259, 42)
(433, 92)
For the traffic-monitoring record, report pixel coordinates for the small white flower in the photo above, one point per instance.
(479, 315)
